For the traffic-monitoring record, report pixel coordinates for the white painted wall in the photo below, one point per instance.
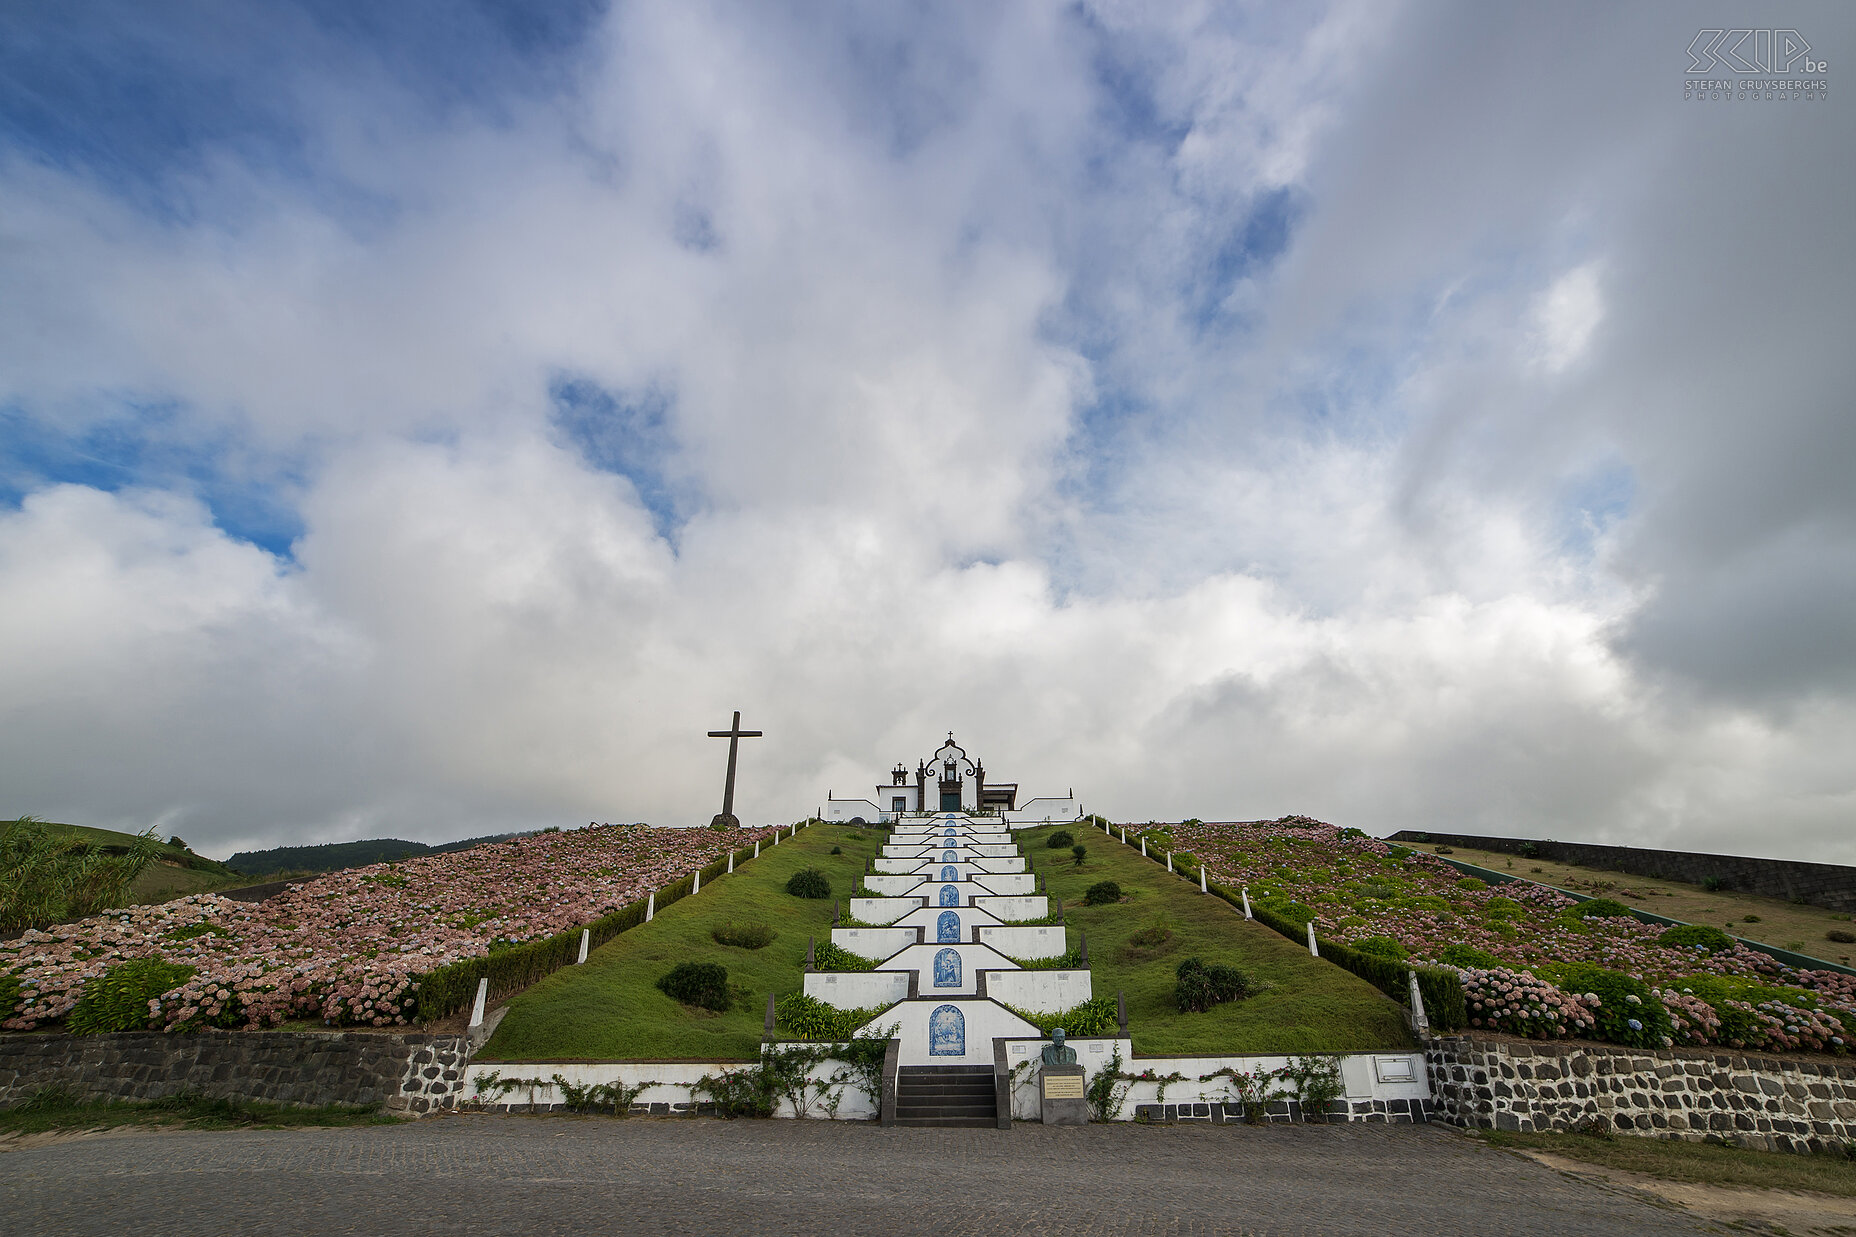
(857, 989)
(672, 1084)
(984, 1021)
(882, 910)
(919, 959)
(1007, 884)
(875, 944)
(1036, 907)
(892, 886)
(1017, 942)
(1041, 992)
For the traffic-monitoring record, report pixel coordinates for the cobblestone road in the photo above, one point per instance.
(513, 1176)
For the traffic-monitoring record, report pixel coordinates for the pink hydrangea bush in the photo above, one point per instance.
(1357, 888)
(346, 948)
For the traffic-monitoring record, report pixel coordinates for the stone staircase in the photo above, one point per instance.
(962, 1095)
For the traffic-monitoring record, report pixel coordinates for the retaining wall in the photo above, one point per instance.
(1828, 885)
(397, 1071)
(1772, 1103)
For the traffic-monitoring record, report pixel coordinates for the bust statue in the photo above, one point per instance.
(1057, 1052)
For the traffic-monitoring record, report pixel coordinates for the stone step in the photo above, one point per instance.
(946, 1095)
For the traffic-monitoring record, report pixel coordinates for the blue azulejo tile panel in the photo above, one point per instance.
(947, 968)
(947, 1032)
(950, 874)
(947, 928)
(950, 896)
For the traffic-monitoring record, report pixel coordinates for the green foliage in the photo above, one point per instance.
(809, 883)
(1714, 884)
(51, 875)
(119, 1000)
(1623, 999)
(1400, 852)
(1200, 985)
(1472, 883)
(1107, 1089)
(1079, 852)
(1060, 839)
(194, 931)
(1689, 935)
(810, 1018)
(1295, 912)
(1602, 908)
(1096, 1016)
(829, 957)
(1063, 962)
(1102, 893)
(1468, 956)
(9, 995)
(745, 1092)
(1315, 1082)
(1387, 947)
(1254, 1089)
(744, 935)
(1096, 822)
(1839, 936)
(703, 984)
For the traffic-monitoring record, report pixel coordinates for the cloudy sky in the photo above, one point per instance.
(428, 419)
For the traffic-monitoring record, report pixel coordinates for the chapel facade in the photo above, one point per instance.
(948, 781)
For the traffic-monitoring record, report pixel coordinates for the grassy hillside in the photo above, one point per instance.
(1307, 1005)
(176, 872)
(611, 1009)
(334, 856)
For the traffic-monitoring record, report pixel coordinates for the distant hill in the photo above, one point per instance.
(334, 856)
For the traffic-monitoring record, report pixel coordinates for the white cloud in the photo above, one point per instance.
(967, 434)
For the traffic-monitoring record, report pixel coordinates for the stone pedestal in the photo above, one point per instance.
(1060, 1095)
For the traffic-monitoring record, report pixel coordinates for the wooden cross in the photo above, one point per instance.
(734, 734)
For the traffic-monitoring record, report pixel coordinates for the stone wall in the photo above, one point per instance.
(1773, 1103)
(1828, 885)
(396, 1071)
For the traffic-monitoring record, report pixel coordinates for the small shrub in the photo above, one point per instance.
(1154, 935)
(1315, 1082)
(1713, 884)
(1602, 908)
(1472, 883)
(810, 1018)
(1445, 850)
(809, 883)
(1750, 919)
(837, 850)
(1300, 912)
(1200, 985)
(744, 935)
(829, 957)
(1399, 852)
(1382, 947)
(1623, 999)
(1468, 956)
(119, 1000)
(1080, 853)
(702, 984)
(1530, 850)
(1840, 936)
(1690, 935)
(1101, 893)
(1060, 839)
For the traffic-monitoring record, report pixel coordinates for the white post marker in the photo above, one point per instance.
(731, 861)
(1247, 914)
(1314, 950)
(586, 939)
(1202, 888)
(696, 885)
(776, 835)
(650, 907)
(757, 848)
(483, 998)
(1143, 847)
(1169, 861)
(1417, 1003)
(1124, 836)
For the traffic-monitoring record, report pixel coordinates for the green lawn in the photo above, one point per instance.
(1308, 1005)
(611, 1010)
(1706, 1163)
(52, 1109)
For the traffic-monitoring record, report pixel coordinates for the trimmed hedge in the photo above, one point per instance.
(447, 989)
(1441, 988)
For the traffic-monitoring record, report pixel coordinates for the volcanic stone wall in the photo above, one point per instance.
(1756, 1101)
(1828, 885)
(398, 1071)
